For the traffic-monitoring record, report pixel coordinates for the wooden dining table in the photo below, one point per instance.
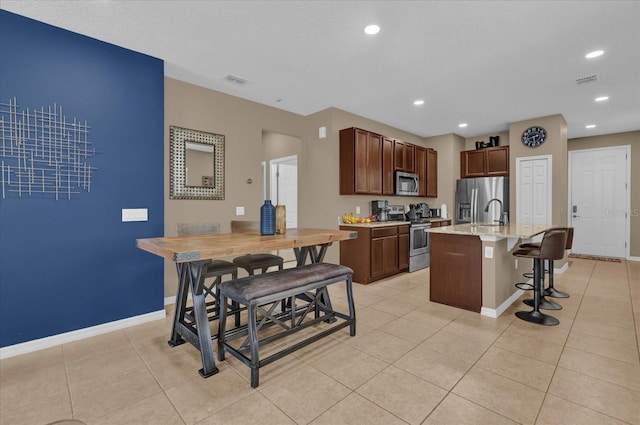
(190, 253)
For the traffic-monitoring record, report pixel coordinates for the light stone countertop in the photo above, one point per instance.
(512, 230)
(376, 224)
(388, 223)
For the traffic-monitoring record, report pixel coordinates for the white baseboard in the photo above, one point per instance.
(495, 313)
(633, 258)
(55, 340)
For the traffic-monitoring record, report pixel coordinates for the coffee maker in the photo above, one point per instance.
(380, 209)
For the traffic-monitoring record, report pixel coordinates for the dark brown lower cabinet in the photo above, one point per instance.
(456, 271)
(376, 253)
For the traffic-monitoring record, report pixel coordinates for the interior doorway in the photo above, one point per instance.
(284, 186)
(599, 201)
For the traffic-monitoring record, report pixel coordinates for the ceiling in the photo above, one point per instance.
(485, 63)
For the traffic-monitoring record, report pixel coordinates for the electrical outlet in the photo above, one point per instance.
(357, 210)
(239, 210)
(488, 252)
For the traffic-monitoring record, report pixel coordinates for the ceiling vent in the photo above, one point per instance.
(236, 79)
(589, 79)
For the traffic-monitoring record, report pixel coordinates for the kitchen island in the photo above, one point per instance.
(472, 266)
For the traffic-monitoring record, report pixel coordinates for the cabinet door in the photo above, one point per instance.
(398, 155)
(498, 161)
(368, 162)
(384, 255)
(421, 170)
(387, 166)
(473, 163)
(403, 247)
(432, 173)
(374, 170)
(409, 158)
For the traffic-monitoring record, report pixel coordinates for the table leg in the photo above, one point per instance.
(181, 304)
(316, 256)
(202, 321)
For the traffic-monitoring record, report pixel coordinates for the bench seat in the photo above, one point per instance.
(262, 293)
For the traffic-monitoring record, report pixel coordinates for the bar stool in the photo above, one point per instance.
(253, 262)
(551, 248)
(212, 269)
(551, 291)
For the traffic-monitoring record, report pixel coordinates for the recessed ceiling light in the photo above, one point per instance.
(594, 54)
(418, 102)
(462, 125)
(602, 98)
(590, 126)
(372, 29)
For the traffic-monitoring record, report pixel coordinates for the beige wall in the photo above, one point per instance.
(632, 139)
(556, 146)
(449, 147)
(248, 126)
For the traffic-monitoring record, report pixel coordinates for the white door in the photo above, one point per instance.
(284, 187)
(284, 191)
(598, 200)
(533, 193)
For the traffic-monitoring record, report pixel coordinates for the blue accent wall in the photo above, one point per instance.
(71, 264)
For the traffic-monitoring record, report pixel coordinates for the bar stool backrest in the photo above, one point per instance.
(569, 238)
(191, 229)
(553, 244)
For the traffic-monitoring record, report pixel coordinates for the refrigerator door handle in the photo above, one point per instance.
(474, 207)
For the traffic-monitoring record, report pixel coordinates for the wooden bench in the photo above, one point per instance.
(263, 293)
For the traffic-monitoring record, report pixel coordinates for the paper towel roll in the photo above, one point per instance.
(443, 211)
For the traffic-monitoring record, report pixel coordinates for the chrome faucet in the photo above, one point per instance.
(503, 215)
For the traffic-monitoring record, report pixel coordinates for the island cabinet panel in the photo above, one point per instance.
(388, 166)
(456, 271)
(376, 253)
(360, 162)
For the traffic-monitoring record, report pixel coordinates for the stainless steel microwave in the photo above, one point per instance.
(406, 184)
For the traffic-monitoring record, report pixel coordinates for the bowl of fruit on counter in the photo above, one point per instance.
(353, 219)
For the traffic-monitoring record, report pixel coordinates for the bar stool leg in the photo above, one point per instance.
(535, 316)
(551, 291)
(544, 304)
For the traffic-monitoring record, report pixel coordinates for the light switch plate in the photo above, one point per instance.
(135, 214)
(357, 210)
(239, 210)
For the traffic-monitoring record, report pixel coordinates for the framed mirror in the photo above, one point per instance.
(196, 164)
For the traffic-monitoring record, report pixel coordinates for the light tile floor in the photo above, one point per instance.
(412, 362)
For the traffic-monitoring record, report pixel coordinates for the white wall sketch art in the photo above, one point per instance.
(42, 152)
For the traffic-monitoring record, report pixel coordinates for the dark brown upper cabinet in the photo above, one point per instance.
(485, 162)
(360, 162)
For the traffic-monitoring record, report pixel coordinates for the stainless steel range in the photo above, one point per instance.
(419, 249)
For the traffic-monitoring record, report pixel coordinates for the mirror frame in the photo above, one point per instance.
(178, 137)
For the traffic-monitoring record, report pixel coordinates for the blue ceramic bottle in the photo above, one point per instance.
(267, 218)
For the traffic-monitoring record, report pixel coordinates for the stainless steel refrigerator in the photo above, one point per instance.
(475, 195)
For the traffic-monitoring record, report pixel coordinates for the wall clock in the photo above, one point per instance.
(534, 136)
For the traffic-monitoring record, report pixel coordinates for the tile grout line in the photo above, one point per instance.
(564, 345)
